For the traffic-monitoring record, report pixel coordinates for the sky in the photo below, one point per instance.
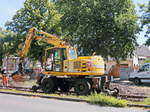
(9, 7)
(141, 39)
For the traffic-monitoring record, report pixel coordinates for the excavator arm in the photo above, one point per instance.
(29, 38)
(34, 34)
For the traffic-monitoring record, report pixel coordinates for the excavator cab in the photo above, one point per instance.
(54, 59)
(56, 56)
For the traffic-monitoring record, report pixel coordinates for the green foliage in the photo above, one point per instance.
(41, 14)
(105, 26)
(145, 19)
(105, 100)
(7, 43)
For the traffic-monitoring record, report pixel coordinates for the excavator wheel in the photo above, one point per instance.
(34, 88)
(82, 87)
(48, 85)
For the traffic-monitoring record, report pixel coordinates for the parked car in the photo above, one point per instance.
(142, 75)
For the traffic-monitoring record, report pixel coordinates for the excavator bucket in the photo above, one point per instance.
(19, 77)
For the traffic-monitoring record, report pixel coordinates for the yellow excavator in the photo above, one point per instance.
(63, 69)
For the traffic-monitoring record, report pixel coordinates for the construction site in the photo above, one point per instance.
(65, 72)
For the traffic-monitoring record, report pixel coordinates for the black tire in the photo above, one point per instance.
(116, 91)
(34, 88)
(48, 85)
(82, 87)
(137, 81)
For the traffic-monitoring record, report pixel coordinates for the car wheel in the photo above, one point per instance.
(137, 81)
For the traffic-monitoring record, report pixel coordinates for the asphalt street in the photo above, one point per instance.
(12, 103)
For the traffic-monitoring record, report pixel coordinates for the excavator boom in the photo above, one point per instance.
(29, 38)
(34, 34)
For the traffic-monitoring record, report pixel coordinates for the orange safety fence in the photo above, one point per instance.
(5, 80)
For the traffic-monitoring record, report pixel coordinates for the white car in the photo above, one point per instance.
(141, 76)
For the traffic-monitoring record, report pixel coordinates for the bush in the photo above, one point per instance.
(105, 100)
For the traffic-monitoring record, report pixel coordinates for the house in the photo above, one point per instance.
(142, 52)
(129, 65)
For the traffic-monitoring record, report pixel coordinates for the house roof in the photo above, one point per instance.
(142, 51)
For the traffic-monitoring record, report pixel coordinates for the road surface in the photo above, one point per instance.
(12, 103)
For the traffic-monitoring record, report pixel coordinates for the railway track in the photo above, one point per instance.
(16, 88)
(120, 96)
(24, 89)
(132, 97)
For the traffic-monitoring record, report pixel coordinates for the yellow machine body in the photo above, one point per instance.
(82, 66)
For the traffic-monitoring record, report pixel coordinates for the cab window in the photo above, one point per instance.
(72, 54)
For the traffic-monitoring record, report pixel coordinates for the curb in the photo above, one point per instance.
(139, 105)
(48, 97)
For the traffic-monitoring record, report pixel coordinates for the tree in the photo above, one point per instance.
(7, 43)
(41, 14)
(145, 19)
(107, 27)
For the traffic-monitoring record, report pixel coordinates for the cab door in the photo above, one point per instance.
(55, 58)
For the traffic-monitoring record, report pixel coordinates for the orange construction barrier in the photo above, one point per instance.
(5, 80)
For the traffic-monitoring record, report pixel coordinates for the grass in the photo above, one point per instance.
(145, 102)
(104, 100)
